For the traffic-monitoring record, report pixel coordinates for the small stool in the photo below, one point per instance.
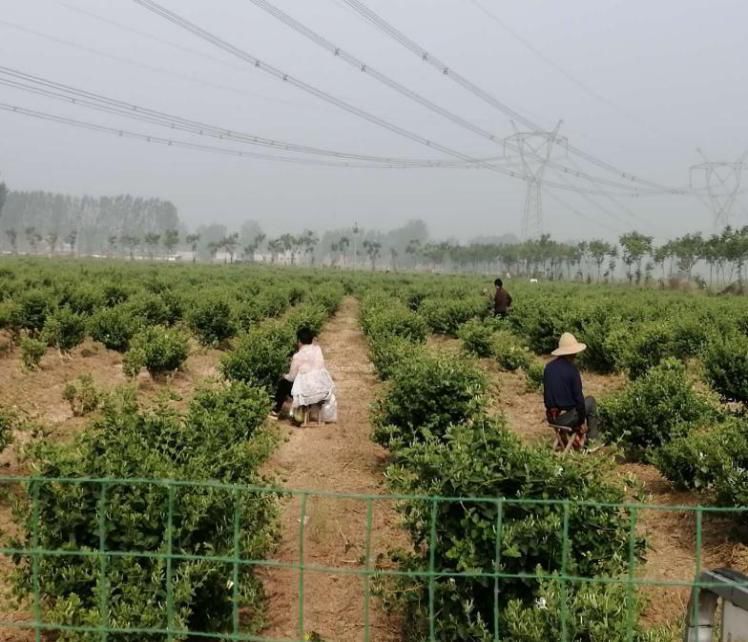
(565, 438)
(307, 411)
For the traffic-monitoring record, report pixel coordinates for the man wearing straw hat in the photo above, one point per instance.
(565, 403)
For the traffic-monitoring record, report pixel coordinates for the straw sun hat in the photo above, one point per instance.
(568, 345)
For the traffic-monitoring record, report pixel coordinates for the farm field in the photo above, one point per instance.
(160, 375)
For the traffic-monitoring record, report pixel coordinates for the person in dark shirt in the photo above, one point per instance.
(565, 403)
(502, 300)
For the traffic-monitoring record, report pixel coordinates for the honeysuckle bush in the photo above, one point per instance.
(726, 365)
(211, 319)
(712, 460)
(114, 327)
(64, 329)
(482, 459)
(445, 315)
(510, 351)
(654, 409)
(477, 337)
(8, 422)
(382, 315)
(219, 438)
(425, 394)
(158, 349)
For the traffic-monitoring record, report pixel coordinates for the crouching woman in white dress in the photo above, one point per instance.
(307, 382)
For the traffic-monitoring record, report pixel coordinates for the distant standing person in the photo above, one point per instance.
(502, 300)
(565, 403)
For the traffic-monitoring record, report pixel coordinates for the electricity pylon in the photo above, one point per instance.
(534, 150)
(721, 180)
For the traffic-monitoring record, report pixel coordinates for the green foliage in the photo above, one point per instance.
(445, 315)
(485, 460)
(595, 611)
(261, 355)
(510, 353)
(534, 375)
(114, 327)
(726, 366)
(383, 316)
(647, 347)
(652, 410)
(32, 351)
(8, 422)
(389, 352)
(158, 349)
(31, 310)
(208, 443)
(712, 460)
(64, 329)
(425, 395)
(212, 321)
(477, 338)
(83, 396)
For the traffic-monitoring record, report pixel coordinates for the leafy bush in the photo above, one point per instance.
(653, 409)
(212, 321)
(446, 315)
(31, 310)
(64, 329)
(389, 352)
(309, 316)
(647, 347)
(83, 396)
(604, 335)
(158, 349)
(485, 460)
(425, 395)
(209, 443)
(726, 366)
(509, 351)
(597, 611)
(32, 351)
(384, 316)
(8, 421)
(261, 355)
(477, 338)
(534, 375)
(114, 327)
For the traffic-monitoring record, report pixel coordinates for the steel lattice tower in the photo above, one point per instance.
(721, 180)
(534, 150)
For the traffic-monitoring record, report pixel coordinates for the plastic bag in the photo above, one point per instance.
(329, 411)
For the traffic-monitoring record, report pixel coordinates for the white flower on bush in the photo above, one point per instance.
(540, 603)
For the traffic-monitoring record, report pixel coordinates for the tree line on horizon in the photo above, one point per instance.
(40, 223)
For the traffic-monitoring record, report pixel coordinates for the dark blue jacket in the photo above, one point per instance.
(562, 386)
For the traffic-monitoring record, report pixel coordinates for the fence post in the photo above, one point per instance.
(35, 517)
(497, 567)
(432, 571)
(302, 524)
(564, 574)
(367, 577)
(169, 566)
(631, 580)
(235, 570)
(103, 582)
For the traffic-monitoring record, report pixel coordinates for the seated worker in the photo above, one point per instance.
(502, 300)
(307, 380)
(565, 403)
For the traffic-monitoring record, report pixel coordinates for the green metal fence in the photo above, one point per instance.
(364, 570)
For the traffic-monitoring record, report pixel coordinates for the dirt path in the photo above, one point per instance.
(334, 458)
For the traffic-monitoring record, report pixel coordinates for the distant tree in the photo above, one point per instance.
(151, 241)
(413, 249)
(71, 238)
(635, 247)
(660, 255)
(32, 238)
(12, 240)
(309, 241)
(276, 246)
(112, 244)
(3, 196)
(193, 240)
(599, 251)
(250, 249)
(213, 248)
(52, 239)
(171, 240)
(129, 242)
(373, 250)
(393, 257)
(230, 243)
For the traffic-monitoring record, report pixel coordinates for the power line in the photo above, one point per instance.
(366, 68)
(50, 89)
(484, 95)
(300, 84)
(158, 140)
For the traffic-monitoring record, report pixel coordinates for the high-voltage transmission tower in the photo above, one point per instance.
(721, 180)
(533, 150)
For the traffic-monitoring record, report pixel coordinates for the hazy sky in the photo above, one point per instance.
(659, 80)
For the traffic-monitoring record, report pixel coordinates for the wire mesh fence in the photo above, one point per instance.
(105, 551)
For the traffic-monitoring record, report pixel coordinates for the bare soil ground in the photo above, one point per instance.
(36, 396)
(338, 458)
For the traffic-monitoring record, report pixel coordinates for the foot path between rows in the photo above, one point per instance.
(338, 458)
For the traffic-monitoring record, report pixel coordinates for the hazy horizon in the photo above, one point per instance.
(639, 85)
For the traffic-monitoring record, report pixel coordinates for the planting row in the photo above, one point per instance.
(444, 444)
